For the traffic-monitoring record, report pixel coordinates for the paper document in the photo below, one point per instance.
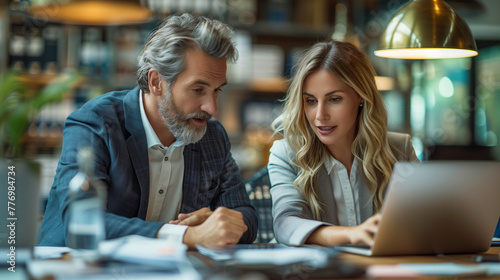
(428, 269)
(280, 255)
(50, 252)
(140, 249)
(130, 257)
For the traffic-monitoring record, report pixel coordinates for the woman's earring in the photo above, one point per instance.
(361, 105)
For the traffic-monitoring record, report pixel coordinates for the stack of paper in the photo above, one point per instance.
(140, 249)
(433, 269)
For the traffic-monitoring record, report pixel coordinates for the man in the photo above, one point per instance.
(157, 149)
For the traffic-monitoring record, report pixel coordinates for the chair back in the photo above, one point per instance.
(258, 187)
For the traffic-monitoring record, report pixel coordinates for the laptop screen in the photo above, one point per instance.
(438, 207)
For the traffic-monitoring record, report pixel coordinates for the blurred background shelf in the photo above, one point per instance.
(451, 107)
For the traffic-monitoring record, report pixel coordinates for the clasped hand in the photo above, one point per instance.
(223, 226)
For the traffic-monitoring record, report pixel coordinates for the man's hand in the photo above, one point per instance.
(223, 227)
(194, 218)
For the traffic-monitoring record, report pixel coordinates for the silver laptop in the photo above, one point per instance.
(437, 207)
(19, 210)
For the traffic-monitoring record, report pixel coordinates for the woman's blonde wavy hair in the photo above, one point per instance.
(370, 146)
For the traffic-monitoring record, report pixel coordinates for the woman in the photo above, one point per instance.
(330, 172)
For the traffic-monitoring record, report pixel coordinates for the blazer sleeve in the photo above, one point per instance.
(292, 217)
(84, 128)
(92, 126)
(232, 190)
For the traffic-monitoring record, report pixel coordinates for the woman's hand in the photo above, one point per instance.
(336, 235)
(365, 232)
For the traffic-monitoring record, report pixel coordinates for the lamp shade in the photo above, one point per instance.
(92, 12)
(426, 29)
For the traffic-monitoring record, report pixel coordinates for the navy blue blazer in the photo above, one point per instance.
(112, 125)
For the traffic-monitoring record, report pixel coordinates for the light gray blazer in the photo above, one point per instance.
(292, 217)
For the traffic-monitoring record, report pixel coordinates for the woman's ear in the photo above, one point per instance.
(155, 82)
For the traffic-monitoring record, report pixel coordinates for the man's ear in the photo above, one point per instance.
(155, 82)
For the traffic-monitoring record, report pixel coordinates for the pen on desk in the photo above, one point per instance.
(486, 258)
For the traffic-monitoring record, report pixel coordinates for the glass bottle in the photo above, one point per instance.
(86, 205)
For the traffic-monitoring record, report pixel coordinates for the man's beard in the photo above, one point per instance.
(178, 123)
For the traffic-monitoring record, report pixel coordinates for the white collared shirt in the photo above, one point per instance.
(345, 190)
(166, 171)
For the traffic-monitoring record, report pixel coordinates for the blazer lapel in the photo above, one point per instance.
(325, 194)
(138, 146)
(365, 205)
(192, 177)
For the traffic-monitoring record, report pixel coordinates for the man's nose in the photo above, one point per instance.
(210, 104)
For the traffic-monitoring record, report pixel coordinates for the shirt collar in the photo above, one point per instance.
(330, 163)
(151, 136)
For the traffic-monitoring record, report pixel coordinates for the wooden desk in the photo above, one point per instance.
(210, 269)
(453, 258)
(207, 265)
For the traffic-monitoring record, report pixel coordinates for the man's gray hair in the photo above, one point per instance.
(165, 49)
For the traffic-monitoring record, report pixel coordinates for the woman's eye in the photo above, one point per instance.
(310, 101)
(336, 99)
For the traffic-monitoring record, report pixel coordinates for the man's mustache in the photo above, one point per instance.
(201, 115)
